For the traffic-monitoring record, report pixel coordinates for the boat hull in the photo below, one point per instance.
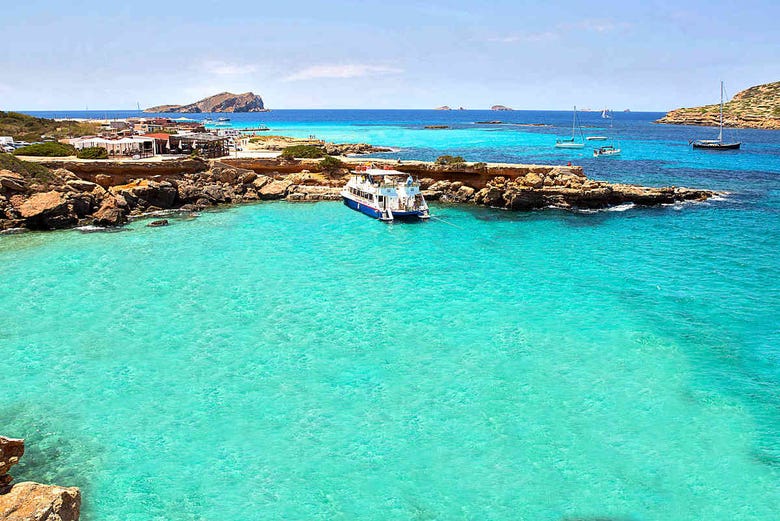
(379, 214)
(570, 145)
(717, 146)
(363, 208)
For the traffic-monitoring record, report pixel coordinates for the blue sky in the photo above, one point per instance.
(648, 55)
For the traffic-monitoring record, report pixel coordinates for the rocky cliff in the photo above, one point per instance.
(29, 501)
(223, 102)
(756, 107)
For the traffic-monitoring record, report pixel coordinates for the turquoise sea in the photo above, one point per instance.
(302, 361)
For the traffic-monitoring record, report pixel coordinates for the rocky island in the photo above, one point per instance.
(61, 193)
(222, 102)
(500, 108)
(756, 107)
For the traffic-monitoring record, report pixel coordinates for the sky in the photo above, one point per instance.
(650, 55)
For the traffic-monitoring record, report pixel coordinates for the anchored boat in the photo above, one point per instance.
(608, 150)
(386, 195)
(571, 142)
(717, 144)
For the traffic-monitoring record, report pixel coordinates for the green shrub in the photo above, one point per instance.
(479, 166)
(51, 149)
(27, 169)
(305, 151)
(450, 160)
(92, 153)
(330, 164)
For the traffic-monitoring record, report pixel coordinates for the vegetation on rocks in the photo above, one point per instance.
(756, 107)
(92, 153)
(26, 169)
(28, 128)
(50, 149)
(448, 160)
(330, 164)
(303, 151)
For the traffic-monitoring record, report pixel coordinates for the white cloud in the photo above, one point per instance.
(597, 25)
(228, 69)
(341, 71)
(530, 37)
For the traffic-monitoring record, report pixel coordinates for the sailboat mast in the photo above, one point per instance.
(574, 121)
(720, 134)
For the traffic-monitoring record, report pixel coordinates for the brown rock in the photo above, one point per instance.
(274, 189)
(47, 210)
(12, 181)
(533, 180)
(10, 451)
(113, 212)
(261, 181)
(35, 502)
(464, 193)
(248, 177)
(81, 185)
(103, 180)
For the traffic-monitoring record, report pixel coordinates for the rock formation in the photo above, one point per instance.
(222, 102)
(443, 107)
(100, 193)
(500, 107)
(29, 501)
(756, 107)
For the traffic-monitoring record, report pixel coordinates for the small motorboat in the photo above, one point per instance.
(596, 138)
(606, 151)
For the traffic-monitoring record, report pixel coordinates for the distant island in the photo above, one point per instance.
(756, 107)
(443, 107)
(500, 107)
(222, 102)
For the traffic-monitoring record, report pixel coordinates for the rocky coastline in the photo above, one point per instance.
(105, 193)
(756, 107)
(29, 501)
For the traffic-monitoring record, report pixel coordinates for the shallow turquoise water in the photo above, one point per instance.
(301, 361)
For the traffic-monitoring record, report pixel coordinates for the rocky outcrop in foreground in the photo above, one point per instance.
(80, 196)
(756, 107)
(222, 102)
(29, 501)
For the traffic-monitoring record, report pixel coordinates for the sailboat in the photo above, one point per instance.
(604, 115)
(717, 144)
(571, 142)
(611, 149)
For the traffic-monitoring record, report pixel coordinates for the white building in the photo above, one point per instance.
(126, 146)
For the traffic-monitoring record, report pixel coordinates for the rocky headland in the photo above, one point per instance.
(756, 107)
(60, 193)
(222, 102)
(28, 501)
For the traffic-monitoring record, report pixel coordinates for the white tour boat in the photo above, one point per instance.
(386, 195)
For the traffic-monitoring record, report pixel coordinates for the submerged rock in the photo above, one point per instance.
(157, 224)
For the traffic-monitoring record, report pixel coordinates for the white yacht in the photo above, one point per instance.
(386, 195)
